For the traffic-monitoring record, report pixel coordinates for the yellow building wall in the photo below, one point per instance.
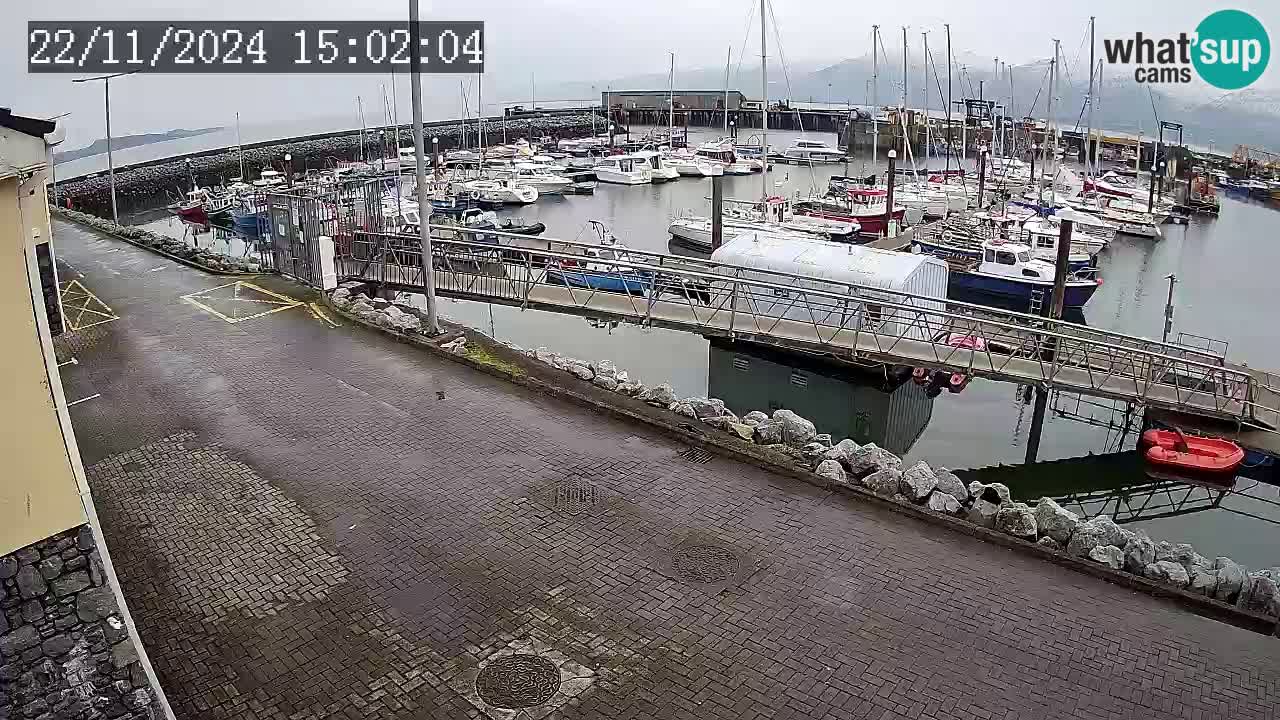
(38, 492)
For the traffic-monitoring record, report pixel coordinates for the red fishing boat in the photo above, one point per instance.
(864, 206)
(1192, 453)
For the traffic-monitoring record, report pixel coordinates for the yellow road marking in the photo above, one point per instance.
(78, 301)
(322, 315)
(205, 299)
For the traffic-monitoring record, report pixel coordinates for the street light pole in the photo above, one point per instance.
(111, 167)
(424, 203)
(1168, 308)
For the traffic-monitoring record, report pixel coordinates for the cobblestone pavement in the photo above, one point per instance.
(320, 522)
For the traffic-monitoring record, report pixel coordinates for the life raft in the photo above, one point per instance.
(1172, 448)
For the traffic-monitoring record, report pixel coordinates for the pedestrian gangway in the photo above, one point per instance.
(812, 315)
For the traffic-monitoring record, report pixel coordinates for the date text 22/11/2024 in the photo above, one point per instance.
(254, 47)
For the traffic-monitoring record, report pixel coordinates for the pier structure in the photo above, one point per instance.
(771, 308)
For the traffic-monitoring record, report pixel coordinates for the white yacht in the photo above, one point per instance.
(812, 151)
(269, 179)
(624, 170)
(778, 219)
(503, 190)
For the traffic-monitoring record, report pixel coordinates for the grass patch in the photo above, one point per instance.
(481, 355)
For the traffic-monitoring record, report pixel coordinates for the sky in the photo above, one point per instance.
(547, 42)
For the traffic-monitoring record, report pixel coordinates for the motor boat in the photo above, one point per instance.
(269, 179)
(1007, 270)
(501, 190)
(201, 204)
(777, 218)
(535, 176)
(865, 206)
(605, 268)
(659, 170)
(812, 151)
(721, 151)
(1042, 237)
(1191, 453)
(690, 165)
(624, 170)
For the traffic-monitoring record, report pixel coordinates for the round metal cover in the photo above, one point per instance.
(518, 681)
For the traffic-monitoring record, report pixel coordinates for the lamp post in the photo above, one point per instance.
(424, 203)
(733, 129)
(106, 98)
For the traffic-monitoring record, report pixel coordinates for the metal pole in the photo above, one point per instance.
(875, 95)
(728, 59)
(1061, 270)
(924, 95)
(240, 143)
(888, 200)
(1088, 135)
(1168, 308)
(717, 211)
(671, 104)
(111, 165)
(948, 29)
(1151, 193)
(424, 203)
(1037, 424)
(764, 106)
(982, 173)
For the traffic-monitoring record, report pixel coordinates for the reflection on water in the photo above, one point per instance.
(212, 237)
(1239, 520)
(866, 404)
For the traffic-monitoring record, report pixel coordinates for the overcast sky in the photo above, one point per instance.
(556, 41)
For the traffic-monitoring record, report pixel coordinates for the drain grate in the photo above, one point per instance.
(705, 563)
(697, 456)
(574, 495)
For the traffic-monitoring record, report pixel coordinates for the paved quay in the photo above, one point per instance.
(313, 520)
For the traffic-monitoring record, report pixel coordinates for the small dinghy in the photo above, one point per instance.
(1191, 453)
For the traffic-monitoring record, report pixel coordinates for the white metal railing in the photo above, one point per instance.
(808, 313)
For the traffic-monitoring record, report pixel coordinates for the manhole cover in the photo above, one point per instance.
(518, 681)
(574, 495)
(705, 563)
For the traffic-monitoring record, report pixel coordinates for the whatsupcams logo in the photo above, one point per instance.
(1229, 50)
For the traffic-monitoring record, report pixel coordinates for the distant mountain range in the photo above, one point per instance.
(1243, 117)
(98, 147)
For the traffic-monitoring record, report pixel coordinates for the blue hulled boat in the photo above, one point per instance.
(605, 269)
(1007, 270)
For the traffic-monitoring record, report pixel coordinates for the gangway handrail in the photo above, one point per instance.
(1027, 318)
(1064, 340)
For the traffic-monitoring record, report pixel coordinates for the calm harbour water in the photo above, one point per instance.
(1225, 287)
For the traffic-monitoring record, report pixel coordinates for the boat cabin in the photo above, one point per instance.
(1013, 260)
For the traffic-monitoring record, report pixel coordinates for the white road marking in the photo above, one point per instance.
(72, 361)
(77, 402)
(154, 269)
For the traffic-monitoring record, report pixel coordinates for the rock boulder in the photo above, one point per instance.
(1056, 521)
(1230, 579)
(1016, 519)
(951, 485)
(1170, 573)
(869, 459)
(1139, 552)
(944, 503)
(918, 481)
(796, 431)
(883, 482)
(842, 452)
(1109, 555)
(832, 470)
(661, 395)
(753, 418)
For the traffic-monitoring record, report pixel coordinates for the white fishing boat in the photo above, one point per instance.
(812, 151)
(268, 179)
(659, 170)
(624, 170)
(501, 190)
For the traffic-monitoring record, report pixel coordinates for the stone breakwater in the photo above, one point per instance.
(202, 257)
(846, 463)
(64, 648)
(142, 187)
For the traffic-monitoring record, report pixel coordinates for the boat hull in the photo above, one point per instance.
(1077, 294)
(623, 283)
(1200, 455)
(953, 252)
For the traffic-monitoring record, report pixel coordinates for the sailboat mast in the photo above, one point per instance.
(904, 68)
(727, 59)
(359, 108)
(924, 93)
(1053, 85)
(480, 113)
(948, 28)
(764, 108)
(1088, 135)
(875, 83)
(240, 145)
(1048, 121)
(671, 103)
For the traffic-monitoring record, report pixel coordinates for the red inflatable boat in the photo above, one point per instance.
(1172, 448)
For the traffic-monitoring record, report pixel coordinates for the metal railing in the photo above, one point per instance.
(805, 313)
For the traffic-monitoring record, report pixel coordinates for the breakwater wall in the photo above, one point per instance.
(145, 186)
